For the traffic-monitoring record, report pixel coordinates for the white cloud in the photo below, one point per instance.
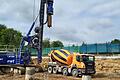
(106, 9)
(73, 21)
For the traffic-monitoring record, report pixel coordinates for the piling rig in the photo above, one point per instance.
(23, 57)
(35, 41)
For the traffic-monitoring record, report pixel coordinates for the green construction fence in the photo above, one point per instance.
(47, 50)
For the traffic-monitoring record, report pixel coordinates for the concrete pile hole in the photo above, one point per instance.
(30, 71)
(86, 77)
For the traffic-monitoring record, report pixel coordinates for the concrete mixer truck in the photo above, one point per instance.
(67, 63)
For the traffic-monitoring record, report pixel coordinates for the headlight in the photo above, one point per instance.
(83, 65)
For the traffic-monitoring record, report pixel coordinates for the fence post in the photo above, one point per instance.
(119, 47)
(96, 46)
(86, 49)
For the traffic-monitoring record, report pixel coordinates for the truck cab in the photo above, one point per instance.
(83, 64)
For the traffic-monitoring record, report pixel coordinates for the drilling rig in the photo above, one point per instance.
(23, 57)
(36, 40)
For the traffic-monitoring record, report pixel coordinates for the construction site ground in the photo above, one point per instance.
(105, 70)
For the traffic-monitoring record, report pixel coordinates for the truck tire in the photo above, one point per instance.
(75, 72)
(65, 71)
(55, 71)
(50, 69)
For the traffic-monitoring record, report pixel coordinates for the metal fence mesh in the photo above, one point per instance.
(85, 48)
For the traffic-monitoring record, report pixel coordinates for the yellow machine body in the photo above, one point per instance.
(64, 57)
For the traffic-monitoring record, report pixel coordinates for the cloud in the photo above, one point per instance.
(73, 21)
(17, 14)
(104, 8)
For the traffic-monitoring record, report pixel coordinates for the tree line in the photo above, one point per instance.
(9, 36)
(48, 44)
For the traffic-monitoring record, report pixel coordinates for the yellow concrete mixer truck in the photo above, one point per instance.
(67, 63)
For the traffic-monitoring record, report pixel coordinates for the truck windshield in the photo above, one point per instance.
(78, 58)
(87, 58)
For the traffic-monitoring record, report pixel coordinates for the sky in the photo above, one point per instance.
(74, 21)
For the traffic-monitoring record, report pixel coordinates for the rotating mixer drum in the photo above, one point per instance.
(62, 56)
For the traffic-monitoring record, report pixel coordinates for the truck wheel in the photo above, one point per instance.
(50, 69)
(65, 71)
(55, 70)
(75, 72)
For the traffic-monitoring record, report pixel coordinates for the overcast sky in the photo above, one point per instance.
(74, 21)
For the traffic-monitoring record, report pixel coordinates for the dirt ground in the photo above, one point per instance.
(106, 70)
(46, 76)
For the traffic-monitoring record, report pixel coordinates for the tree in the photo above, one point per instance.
(73, 45)
(46, 43)
(9, 36)
(115, 41)
(57, 44)
(2, 27)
